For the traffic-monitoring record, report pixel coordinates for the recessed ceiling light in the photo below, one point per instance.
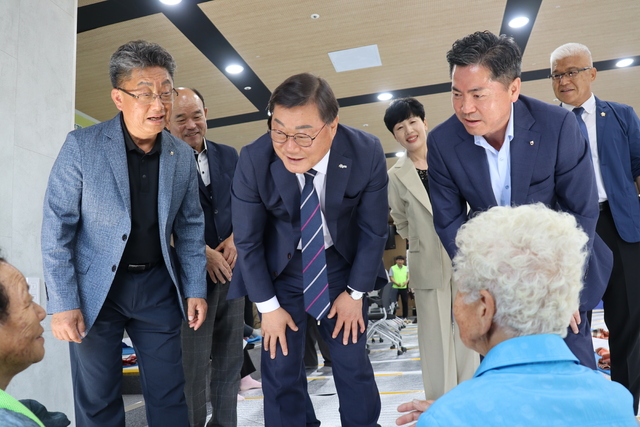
(518, 22)
(234, 69)
(247, 88)
(400, 154)
(170, 2)
(315, 16)
(385, 96)
(624, 62)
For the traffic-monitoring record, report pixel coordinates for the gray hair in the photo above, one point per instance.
(531, 259)
(138, 54)
(570, 49)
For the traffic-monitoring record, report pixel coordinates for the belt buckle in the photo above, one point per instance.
(137, 267)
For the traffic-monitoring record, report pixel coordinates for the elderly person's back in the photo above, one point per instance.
(519, 272)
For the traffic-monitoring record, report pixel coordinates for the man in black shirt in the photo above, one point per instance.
(118, 192)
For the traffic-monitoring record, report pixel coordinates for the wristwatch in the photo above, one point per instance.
(356, 295)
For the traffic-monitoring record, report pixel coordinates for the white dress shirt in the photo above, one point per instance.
(499, 164)
(589, 118)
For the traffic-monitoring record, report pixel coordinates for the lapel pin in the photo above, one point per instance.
(531, 142)
(172, 153)
(341, 166)
(603, 114)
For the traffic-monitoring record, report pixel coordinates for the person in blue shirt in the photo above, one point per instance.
(519, 275)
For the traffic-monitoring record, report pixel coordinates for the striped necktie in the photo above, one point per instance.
(314, 263)
(583, 127)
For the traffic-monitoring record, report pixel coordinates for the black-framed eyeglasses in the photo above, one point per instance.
(302, 139)
(147, 98)
(570, 74)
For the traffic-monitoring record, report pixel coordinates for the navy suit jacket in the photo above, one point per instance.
(266, 212)
(550, 163)
(216, 200)
(618, 129)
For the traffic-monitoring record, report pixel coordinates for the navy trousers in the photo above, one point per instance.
(145, 304)
(284, 382)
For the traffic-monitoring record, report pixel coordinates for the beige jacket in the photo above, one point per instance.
(429, 263)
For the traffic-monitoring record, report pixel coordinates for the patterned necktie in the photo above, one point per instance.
(583, 128)
(314, 263)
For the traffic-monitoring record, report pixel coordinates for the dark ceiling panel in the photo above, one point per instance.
(514, 9)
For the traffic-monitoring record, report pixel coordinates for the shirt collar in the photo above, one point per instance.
(589, 105)
(204, 148)
(479, 139)
(526, 350)
(323, 164)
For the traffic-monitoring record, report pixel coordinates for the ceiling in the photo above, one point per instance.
(276, 39)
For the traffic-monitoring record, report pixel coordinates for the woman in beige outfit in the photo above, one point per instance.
(445, 360)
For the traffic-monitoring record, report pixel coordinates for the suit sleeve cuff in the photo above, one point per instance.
(268, 305)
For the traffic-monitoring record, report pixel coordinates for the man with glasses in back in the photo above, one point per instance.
(309, 202)
(613, 133)
(118, 193)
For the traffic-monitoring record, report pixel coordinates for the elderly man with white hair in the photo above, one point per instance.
(519, 275)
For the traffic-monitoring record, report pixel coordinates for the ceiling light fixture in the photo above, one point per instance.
(385, 96)
(315, 16)
(519, 22)
(170, 2)
(234, 69)
(624, 62)
(400, 154)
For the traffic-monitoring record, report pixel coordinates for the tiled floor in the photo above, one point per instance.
(398, 377)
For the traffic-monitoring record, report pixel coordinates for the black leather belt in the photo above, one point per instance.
(604, 205)
(140, 267)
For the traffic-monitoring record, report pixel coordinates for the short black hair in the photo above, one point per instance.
(400, 257)
(4, 299)
(499, 54)
(138, 54)
(302, 89)
(401, 109)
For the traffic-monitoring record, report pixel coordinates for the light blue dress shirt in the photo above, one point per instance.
(533, 381)
(499, 164)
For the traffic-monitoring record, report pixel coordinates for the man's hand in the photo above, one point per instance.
(274, 328)
(349, 313)
(416, 408)
(575, 321)
(217, 266)
(196, 312)
(68, 325)
(228, 250)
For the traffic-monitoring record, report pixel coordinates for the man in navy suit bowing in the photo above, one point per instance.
(503, 148)
(613, 132)
(311, 196)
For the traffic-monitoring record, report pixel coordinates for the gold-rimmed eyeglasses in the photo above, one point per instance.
(570, 74)
(147, 98)
(302, 139)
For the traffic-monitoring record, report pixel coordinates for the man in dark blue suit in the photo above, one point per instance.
(502, 148)
(613, 132)
(218, 342)
(351, 185)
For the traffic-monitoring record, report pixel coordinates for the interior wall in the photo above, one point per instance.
(37, 87)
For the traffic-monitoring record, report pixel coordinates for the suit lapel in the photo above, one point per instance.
(524, 151)
(478, 170)
(116, 152)
(409, 177)
(287, 185)
(603, 113)
(338, 172)
(168, 161)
